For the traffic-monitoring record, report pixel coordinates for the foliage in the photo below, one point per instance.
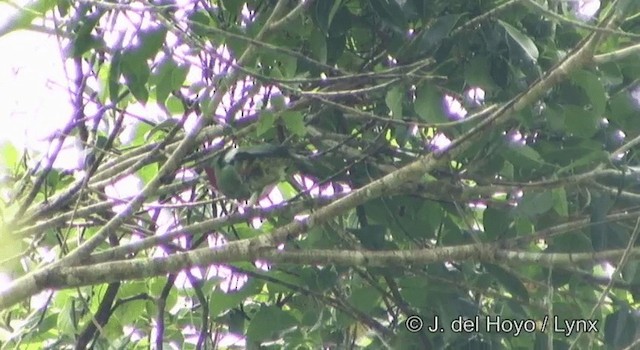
(473, 161)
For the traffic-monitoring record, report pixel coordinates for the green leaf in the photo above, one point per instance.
(391, 13)
(535, 203)
(265, 122)
(113, 79)
(284, 277)
(630, 272)
(522, 156)
(236, 321)
(413, 289)
(571, 242)
(365, 298)
(495, 222)
(524, 226)
(580, 122)
(10, 156)
(592, 86)
(434, 35)
(324, 12)
(10, 243)
(333, 11)
(65, 323)
(626, 7)
(53, 178)
(129, 312)
(275, 72)
(477, 72)
(393, 100)
(175, 106)
(220, 302)
(170, 77)
(560, 204)
(294, 121)
(335, 48)
(588, 160)
(84, 41)
(288, 65)
(554, 118)
(402, 134)
(414, 218)
(623, 110)
(25, 15)
(430, 217)
(114, 328)
(429, 104)
(198, 22)
(270, 323)
(233, 6)
(508, 280)
(620, 328)
(45, 325)
(318, 46)
(278, 102)
(600, 205)
(319, 280)
(136, 73)
(371, 236)
(237, 46)
(151, 40)
(527, 45)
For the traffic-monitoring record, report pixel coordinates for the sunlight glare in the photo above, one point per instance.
(585, 9)
(123, 190)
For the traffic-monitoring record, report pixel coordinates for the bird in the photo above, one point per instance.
(250, 172)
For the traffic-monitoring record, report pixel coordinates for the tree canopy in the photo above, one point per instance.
(472, 177)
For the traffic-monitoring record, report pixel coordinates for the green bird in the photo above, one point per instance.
(250, 172)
